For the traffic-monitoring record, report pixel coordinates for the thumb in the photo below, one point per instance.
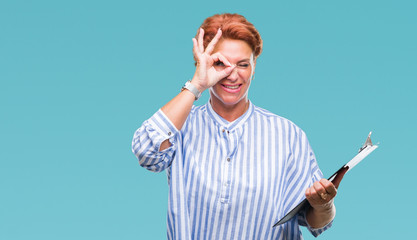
(339, 176)
(227, 71)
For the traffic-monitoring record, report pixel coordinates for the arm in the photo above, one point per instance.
(304, 174)
(154, 142)
(320, 196)
(322, 210)
(178, 109)
(148, 138)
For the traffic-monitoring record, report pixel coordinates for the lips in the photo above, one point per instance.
(231, 88)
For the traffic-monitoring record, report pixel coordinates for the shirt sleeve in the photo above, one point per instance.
(303, 171)
(316, 175)
(148, 139)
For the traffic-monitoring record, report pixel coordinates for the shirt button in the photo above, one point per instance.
(169, 133)
(223, 130)
(228, 159)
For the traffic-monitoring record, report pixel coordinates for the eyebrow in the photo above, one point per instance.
(244, 60)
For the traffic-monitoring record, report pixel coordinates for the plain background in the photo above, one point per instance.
(79, 77)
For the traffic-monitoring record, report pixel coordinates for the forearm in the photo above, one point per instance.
(177, 110)
(320, 216)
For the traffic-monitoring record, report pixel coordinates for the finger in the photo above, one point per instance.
(308, 193)
(219, 57)
(224, 60)
(201, 40)
(329, 187)
(214, 41)
(319, 187)
(314, 196)
(195, 48)
(321, 191)
(311, 194)
(226, 72)
(339, 176)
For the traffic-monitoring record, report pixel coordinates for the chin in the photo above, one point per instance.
(228, 101)
(231, 102)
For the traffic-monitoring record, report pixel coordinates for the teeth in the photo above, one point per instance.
(232, 87)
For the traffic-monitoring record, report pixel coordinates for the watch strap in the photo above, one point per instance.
(193, 89)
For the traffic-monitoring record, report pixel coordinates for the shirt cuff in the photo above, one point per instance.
(163, 126)
(302, 220)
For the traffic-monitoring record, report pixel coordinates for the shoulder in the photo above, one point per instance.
(266, 114)
(283, 124)
(197, 114)
(198, 110)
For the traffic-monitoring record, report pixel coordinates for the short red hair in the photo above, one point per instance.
(234, 26)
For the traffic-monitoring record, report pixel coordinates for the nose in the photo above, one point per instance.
(233, 75)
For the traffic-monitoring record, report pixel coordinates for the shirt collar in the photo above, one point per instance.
(230, 126)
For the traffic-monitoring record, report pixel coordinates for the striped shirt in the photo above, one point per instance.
(230, 180)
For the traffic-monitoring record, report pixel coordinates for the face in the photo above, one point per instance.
(233, 89)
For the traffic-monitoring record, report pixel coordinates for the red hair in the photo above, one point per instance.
(233, 26)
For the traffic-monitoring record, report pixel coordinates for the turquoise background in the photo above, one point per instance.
(79, 77)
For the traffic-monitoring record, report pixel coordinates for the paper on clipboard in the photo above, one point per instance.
(364, 151)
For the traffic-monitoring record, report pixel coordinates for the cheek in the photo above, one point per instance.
(245, 75)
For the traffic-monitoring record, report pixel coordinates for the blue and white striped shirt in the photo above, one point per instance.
(230, 180)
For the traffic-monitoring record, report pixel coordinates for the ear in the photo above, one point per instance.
(254, 67)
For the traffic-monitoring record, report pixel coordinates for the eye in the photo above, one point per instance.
(219, 64)
(243, 65)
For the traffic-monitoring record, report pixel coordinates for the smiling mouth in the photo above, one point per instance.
(232, 87)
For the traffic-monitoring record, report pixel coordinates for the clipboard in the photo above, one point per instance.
(364, 151)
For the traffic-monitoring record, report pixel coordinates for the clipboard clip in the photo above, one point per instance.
(367, 143)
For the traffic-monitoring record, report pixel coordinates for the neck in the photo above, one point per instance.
(230, 112)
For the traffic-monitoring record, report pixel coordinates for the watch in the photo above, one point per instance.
(190, 87)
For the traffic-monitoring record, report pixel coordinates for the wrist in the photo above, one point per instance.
(192, 89)
(320, 217)
(195, 82)
(325, 208)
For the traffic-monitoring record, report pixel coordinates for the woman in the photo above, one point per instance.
(233, 168)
